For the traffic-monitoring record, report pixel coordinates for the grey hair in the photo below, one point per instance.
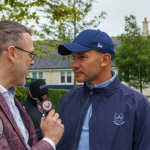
(10, 33)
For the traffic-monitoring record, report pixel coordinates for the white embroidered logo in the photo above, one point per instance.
(119, 118)
(100, 45)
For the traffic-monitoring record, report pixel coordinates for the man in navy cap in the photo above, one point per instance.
(104, 114)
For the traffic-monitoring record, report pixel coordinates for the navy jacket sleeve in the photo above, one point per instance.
(142, 128)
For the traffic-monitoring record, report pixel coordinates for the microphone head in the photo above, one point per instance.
(38, 88)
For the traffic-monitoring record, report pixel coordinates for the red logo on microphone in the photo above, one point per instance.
(47, 105)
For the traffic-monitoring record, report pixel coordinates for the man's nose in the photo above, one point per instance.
(75, 63)
(32, 62)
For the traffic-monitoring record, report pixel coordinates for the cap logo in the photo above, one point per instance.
(100, 45)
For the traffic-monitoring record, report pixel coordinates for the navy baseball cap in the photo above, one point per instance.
(89, 39)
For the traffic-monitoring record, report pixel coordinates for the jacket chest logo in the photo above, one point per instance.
(118, 119)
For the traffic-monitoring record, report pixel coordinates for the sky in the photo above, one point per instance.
(116, 11)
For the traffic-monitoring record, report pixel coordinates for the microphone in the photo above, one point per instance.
(39, 89)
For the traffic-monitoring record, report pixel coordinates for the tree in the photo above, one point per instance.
(133, 56)
(25, 12)
(68, 18)
(19, 10)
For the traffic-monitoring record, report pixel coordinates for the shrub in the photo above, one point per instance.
(53, 94)
(21, 93)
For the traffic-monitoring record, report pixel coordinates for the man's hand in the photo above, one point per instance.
(52, 127)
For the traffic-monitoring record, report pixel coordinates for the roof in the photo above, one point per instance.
(52, 61)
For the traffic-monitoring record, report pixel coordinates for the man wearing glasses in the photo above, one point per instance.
(16, 128)
(31, 54)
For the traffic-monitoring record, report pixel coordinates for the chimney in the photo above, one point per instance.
(145, 28)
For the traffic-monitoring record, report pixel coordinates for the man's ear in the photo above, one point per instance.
(11, 53)
(106, 60)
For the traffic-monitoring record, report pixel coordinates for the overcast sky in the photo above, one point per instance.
(116, 11)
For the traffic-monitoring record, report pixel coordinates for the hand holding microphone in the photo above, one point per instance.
(51, 125)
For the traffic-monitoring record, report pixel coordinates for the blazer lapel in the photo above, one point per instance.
(4, 106)
(28, 124)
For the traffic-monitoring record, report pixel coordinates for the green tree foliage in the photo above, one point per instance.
(133, 56)
(25, 12)
(19, 10)
(68, 18)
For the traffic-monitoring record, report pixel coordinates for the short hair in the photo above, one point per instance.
(10, 33)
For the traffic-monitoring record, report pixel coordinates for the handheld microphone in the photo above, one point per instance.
(39, 89)
(45, 106)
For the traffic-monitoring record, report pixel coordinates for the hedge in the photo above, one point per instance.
(53, 94)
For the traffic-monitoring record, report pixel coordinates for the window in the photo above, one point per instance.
(66, 77)
(40, 75)
(37, 75)
(63, 77)
(34, 75)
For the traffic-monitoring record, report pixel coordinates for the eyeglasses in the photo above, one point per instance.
(31, 54)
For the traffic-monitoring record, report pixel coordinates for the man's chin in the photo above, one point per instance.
(22, 82)
(79, 80)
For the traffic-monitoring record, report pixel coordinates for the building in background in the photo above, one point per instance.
(145, 31)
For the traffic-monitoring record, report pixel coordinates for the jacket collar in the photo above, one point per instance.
(105, 91)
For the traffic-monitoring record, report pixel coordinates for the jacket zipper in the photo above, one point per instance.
(79, 124)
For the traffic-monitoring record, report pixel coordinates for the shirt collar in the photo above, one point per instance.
(11, 90)
(104, 84)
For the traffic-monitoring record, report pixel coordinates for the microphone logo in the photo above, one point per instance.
(47, 105)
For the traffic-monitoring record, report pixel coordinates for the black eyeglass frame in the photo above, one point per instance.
(32, 54)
